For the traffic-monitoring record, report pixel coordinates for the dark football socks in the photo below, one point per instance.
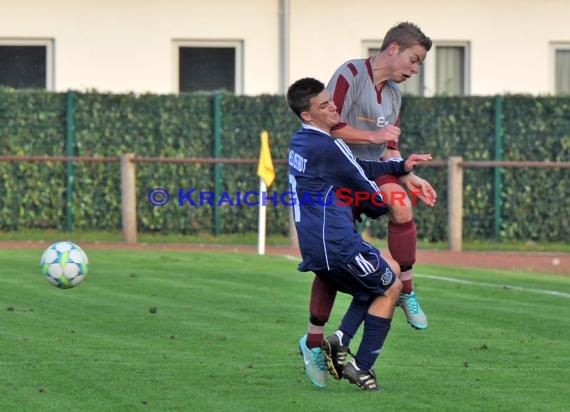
(375, 331)
(353, 319)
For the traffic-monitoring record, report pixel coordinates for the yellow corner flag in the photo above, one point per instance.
(265, 168)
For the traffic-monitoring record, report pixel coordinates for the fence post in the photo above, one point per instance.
(69, 151)
(455, 203)
(498, 171)
(129, 198)
(218, 147)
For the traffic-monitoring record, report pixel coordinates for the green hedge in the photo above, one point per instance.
(534, 202)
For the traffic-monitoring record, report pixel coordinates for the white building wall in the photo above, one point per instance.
(127, 45)
(509, 39)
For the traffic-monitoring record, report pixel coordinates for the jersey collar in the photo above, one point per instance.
(308, 126)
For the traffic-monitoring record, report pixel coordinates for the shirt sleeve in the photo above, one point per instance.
(345, 173)
(342, 87)
(374, 169)
(339, 126)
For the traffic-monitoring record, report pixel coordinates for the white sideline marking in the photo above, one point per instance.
(485, 284)
(493, 285)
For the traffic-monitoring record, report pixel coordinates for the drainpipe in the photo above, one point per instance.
(283, 46)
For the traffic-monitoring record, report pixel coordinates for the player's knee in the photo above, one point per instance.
(398, 286)
(393, 292)
(401, 213)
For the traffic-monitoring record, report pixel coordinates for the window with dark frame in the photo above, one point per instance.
(207, 69)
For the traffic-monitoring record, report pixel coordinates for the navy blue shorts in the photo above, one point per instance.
(366, 276)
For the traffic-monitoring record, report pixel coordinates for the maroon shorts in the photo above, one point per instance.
(356, 210)
(387, 179)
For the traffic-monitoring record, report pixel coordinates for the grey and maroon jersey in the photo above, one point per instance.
(362, 106)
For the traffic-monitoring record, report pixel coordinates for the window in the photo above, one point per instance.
(450, 70)
(447, 69)
(413, 86)
(561, 54)
(208, 66)
(26, 64)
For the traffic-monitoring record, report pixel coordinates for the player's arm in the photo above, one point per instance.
(391, 153)
(349, 134)
(347, 176)
(397, 167)
(420, 188)
(415, 184)
(392, 150)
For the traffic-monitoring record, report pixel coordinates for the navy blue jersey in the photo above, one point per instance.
(327, 179)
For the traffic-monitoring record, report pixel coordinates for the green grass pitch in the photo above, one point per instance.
(180, 331)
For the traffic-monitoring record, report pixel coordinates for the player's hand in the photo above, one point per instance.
(415, 159)
(388, 133)
(421, 188)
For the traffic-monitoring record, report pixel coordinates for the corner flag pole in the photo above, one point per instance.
(261, 220)
(266, 173)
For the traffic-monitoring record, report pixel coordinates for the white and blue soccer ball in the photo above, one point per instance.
(64, 264)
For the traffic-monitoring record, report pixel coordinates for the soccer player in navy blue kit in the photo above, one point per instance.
(322, 170)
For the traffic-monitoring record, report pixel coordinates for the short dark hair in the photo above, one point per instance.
(300, 93)
(406, 35)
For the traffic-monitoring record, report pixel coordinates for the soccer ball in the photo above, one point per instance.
(64, 264)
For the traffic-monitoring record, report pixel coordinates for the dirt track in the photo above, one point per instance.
(555, 263)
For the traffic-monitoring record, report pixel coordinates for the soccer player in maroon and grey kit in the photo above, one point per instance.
(368, 100)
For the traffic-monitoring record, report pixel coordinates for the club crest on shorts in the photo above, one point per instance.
(387, 277)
